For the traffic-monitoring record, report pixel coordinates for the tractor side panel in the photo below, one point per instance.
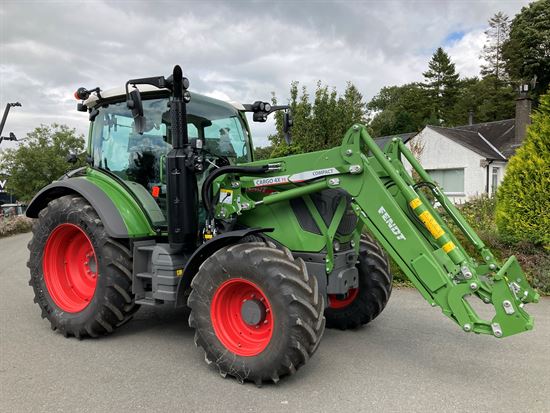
(132, 213)
(289, 229)
(121, 215)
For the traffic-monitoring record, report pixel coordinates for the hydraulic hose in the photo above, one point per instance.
(207, 185)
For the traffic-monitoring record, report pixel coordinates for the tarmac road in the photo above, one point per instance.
(411, 358)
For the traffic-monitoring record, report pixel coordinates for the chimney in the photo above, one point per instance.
(523, 114)
(470, 117)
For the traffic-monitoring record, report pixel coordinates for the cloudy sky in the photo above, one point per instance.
(240, 50)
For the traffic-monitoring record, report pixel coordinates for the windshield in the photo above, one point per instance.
(140, 158)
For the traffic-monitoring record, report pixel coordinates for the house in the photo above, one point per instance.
(382, 141)
(470, 160)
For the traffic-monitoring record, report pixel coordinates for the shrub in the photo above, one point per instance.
(533, 258)
(14, 225)
(523, 208)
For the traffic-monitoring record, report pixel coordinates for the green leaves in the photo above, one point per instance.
(399, 109)
(527, 51)
(441, 85)
(523, 206)
(443, 100)
(40, 159)
(497, 34)
(320, 121)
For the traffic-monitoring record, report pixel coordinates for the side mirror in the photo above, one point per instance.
(136, 105)
(287, 125)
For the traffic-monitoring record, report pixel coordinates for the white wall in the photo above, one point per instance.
(501, 166)
(443, 153)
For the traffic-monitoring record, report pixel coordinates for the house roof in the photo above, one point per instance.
(494, 140)
(500, 134)
(472, 140)
(382, 141)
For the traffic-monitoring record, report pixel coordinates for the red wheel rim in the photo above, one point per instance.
(70, 268)
(238, 336)
(335, 302)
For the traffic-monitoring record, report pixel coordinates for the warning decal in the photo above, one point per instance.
(226, 196)
(415, 203)
(448, 247)
(431, 224)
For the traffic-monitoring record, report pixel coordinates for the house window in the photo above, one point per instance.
(451, 180)
(494, 179)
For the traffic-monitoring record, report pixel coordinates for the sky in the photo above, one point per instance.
(237, 50)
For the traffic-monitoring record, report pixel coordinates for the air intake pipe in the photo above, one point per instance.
(182, 192)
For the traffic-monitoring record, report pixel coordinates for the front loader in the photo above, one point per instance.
(172, 208)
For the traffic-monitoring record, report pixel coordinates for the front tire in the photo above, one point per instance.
(82, 278)
(256, 312)
(363, 304)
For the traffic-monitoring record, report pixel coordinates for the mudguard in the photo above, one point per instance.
(103, 205)
(206, 250)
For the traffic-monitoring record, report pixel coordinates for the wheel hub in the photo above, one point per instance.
(70, 268)
(338, 301)
(253, 312)
(242, 317)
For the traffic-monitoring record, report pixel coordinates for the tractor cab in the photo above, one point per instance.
(138, 157)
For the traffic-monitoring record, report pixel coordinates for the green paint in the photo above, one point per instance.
(133, 215)
(403, 221)
(386, 203)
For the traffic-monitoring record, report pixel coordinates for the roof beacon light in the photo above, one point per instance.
(82, 93)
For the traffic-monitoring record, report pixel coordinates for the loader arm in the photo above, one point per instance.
(416, 237)
(393, 208)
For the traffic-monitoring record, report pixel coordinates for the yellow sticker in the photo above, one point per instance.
(179, 272)
(431, 224)
(226, 196)
(448, 247)
(415, 203)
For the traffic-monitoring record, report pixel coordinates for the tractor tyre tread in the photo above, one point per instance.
(375, 286)
(294, 297)
(113, 302)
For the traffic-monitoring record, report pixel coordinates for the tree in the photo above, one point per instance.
(40, 159)
(263, 152)
(497, 34)
(441, 83)
(527, 51)
(399, 109)
(487, 102)
(444, 99)
(320, 124)
(523, 198)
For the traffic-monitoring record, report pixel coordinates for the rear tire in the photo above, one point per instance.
(82, 278)
(285, 325)
(365, 303)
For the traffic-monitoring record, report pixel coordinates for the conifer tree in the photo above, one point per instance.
(497, 34)
(523, 198)
(441, 83)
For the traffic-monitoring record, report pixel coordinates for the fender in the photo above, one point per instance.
(206, 250)
(116, 225)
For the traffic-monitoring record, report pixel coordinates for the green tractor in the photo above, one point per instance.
(173, 209)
